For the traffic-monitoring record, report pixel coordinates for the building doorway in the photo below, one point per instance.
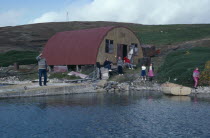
(122, 50)
(125, 51)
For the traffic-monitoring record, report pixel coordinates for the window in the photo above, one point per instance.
(109, 46)
(135, 47)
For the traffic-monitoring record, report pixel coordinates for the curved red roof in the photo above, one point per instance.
(78, 47)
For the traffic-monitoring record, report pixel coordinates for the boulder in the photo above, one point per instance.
(104, 73)
(101, 83)
(175, 89)
(123, 86)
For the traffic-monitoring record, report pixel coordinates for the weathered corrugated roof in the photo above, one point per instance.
(75, 47)
(78, 47)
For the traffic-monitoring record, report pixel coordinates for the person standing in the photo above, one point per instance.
(143, 72)
(98, 70)
(196, 75)
(42, 66)
(120, 66)
(151, 72)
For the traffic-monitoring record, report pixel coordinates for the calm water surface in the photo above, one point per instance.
(133, 114)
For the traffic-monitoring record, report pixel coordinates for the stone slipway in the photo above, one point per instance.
(30, 89)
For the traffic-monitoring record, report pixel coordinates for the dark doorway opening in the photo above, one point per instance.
(122, 51)
(125, 51)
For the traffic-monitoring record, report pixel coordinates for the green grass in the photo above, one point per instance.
(63, 76)
(170, 34)
(129, 75)
(21, 57)
(179, 65)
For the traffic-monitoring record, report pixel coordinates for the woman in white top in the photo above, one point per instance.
(143, 72)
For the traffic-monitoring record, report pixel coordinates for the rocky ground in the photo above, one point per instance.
(129, 81)
(138, 85)
(202, 89)
(56, 86)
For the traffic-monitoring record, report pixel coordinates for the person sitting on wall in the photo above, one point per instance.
(42, 65)
(107, 64)
(128, 63)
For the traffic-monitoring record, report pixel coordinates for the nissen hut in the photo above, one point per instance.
(86, 47)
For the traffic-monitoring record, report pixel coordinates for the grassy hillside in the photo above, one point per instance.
(21, 57)
(179, 65)
(34, 36)
(171, 34)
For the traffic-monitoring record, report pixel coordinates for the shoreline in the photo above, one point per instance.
(28, 89)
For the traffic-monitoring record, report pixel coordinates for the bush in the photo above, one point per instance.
(205, 75)
(124, 78)
(21, 57)
(178, 66)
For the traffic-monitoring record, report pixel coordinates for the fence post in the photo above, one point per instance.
(16, 66)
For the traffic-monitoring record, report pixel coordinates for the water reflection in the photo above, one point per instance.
(178, 98)
(126, 114)
(90, 99)
(96, 99)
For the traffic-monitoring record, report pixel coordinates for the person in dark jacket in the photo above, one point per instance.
(120, 66)
(42, 66)
(107, 64)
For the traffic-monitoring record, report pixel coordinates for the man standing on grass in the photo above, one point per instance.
(42, 66)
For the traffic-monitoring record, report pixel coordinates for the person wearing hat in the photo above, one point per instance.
(42, 66)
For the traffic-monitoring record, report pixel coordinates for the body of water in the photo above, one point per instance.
(128, 114)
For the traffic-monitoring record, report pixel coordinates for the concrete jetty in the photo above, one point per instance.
(28, 89)
(31, 89)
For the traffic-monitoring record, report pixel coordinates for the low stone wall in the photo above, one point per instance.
(28, 90)
(31, 89)
(136, 85)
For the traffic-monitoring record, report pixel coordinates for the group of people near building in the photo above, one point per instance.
(120, 64)
(126, 62)
(42, 66)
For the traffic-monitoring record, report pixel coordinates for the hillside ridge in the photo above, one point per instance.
(33, 37)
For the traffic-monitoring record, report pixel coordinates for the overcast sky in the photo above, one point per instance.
(18, 12)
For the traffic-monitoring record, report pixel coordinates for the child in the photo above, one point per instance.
(143, 72)
(151, 72)
(196, 75)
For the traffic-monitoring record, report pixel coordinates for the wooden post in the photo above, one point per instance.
(16, 66)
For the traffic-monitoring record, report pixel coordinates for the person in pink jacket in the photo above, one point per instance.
(196, 75)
